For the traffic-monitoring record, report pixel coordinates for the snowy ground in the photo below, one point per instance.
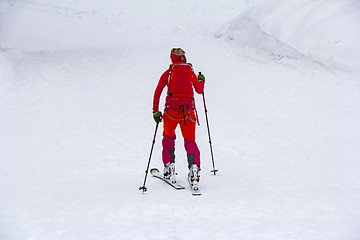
(76, 85)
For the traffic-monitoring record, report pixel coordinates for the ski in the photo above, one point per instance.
(156, 173)
(195, 191)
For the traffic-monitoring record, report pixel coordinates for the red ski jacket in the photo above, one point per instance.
(165, 79)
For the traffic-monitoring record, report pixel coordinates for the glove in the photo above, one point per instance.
(201, 77)
(157, 116)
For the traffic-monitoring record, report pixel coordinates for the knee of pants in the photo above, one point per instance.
(168, 144)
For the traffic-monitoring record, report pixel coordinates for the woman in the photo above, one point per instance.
(181, 81)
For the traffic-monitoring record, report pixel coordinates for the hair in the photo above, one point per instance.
(180, 52)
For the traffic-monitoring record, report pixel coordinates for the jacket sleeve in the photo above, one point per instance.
(198, 86)
(159, 88)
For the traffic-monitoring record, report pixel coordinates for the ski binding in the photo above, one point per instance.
(195, 191)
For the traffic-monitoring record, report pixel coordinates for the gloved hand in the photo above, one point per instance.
(157, 116)
(201, 77)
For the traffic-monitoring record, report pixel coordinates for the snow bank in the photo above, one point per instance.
(325, 31)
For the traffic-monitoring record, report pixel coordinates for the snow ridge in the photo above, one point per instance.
(323, 31)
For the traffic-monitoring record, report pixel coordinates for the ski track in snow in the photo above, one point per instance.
(76, 130)
(48, 8)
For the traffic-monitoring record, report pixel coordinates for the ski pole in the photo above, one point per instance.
(143, 188)
(207, 124)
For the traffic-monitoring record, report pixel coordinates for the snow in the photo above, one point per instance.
(324, 31)
(282, 92)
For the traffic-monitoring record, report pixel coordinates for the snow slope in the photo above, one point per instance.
(324, 31)
(76, 85)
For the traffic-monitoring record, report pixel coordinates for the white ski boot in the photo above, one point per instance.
(194, 176)
(169, 171)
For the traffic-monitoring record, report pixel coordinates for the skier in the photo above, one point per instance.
(180, 80)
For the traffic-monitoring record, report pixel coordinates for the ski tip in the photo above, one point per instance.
(154, 170)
